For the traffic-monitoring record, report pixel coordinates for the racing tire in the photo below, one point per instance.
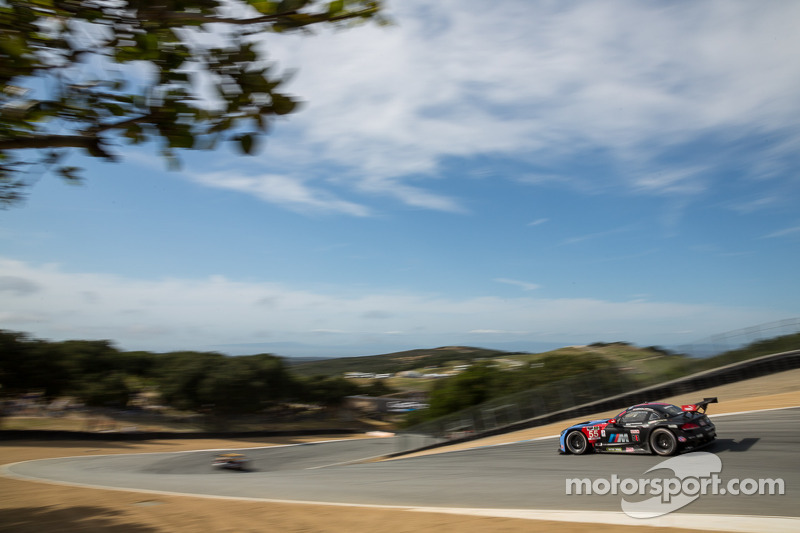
(663, 442)
(577, 443)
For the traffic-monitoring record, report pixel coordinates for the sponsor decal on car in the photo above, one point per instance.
(618, 438)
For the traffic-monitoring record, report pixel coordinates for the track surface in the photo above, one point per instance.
(523, 475)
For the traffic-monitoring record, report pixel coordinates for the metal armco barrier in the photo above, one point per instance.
(464, 428)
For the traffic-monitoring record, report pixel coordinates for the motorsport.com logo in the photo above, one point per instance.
(695, 474)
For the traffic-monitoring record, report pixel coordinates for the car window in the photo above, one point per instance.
(634, 417)
(654, 416)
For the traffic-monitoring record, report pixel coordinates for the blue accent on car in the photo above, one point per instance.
(562, 440)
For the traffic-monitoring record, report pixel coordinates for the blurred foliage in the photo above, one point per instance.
(758, 348)
(395, 362)
(85, 74)
(606, 365)
(98, 374)
(485, 381)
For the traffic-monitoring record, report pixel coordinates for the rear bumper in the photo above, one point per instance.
(699, 439)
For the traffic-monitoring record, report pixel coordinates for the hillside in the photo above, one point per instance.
(445, 358)
(396, 362)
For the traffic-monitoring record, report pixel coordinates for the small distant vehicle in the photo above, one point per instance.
(646, 428)
(231, 461)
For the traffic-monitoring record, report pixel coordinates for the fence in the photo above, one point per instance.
(734, 339)
(603, 390)
(549, 398)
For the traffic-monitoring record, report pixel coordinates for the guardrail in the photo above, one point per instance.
(731, 340)
(576, 397)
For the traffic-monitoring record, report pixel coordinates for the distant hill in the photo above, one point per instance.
(394, 362)
(294, 361)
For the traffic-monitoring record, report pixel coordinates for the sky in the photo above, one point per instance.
(519, 176)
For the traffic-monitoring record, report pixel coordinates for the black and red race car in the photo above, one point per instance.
(231, 461)
(659, 428)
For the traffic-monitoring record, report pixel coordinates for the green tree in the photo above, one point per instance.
(244, 384)
(108, 390)
(28, 365)
(180, 375)
(483, 382)
(71, 76)
(475, 385)
(328, 391)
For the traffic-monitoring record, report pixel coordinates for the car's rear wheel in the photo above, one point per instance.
(577, 443)
(663, 442)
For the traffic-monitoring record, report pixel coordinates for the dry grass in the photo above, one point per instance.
(38, 507)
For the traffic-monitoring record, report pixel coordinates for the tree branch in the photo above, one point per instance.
(99, 128)
(48, 141)
(172, 16)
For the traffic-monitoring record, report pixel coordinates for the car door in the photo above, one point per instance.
(634, 424)
(626, 433)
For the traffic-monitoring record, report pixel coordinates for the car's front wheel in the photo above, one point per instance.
(577, 443)
(663, 442)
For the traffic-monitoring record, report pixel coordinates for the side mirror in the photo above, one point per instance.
(612, 421)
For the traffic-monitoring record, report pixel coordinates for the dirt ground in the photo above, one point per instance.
(27, 506)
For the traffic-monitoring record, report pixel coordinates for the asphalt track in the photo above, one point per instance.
(522, 475)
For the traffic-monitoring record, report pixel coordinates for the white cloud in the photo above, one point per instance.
(688, 181)
(753, 205)
(783, 233)
(539, 83)
(198, 313)
(17, 286)
(287, 191)
(496, 332)
(524, 285)
(598, 235)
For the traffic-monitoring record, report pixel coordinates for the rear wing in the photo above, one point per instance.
(699, 407)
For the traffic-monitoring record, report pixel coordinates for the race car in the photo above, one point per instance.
(659, 428)
(231, 461)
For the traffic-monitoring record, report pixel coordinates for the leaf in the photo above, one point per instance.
(247, 142)
(291, 5)
(70, 173)
(335, 7)
(264, 6)
(115, 109)
(147, 41)
(282, 105)
(181, 140)
(13, 44)
(262, 123)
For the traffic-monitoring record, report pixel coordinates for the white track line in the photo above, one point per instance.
(708, 522)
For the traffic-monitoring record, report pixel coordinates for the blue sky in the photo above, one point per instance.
(535, 174)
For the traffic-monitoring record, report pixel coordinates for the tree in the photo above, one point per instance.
(475, 385)
(71, 76)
